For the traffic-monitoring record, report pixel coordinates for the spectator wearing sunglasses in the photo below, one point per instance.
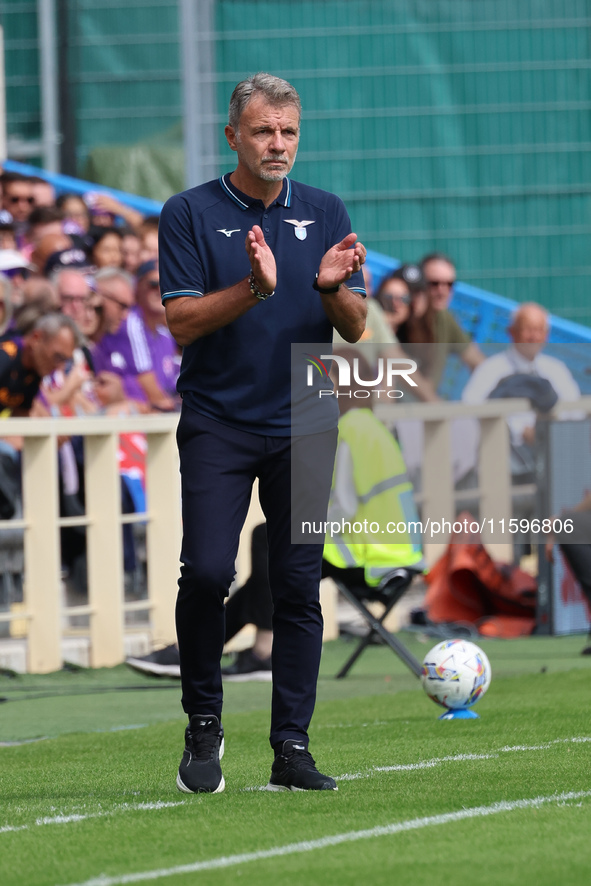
(440, 276)
(388, 314)
(398, 296)
(394, 295)
(17, 196)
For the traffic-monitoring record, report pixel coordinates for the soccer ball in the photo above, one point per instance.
(456, 673)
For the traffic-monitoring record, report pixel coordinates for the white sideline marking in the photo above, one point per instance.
(401, 767)
(68, 819)
(459, 758)
(17, 744)
(334, 840)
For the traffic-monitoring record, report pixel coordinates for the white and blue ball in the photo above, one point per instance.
(456, 673)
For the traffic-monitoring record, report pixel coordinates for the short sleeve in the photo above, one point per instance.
(180, 267)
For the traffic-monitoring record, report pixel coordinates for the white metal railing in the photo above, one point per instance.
(103, 519)
(494, 493)
(106, 608)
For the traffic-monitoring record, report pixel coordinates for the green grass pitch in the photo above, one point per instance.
(88, 763)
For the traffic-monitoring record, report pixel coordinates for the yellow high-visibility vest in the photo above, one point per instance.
(385, 496)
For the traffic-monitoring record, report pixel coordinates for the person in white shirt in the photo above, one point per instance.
(529, 330)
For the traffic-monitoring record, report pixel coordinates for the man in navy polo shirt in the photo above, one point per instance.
(249, 264)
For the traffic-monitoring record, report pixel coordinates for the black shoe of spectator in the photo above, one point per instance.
(163, 663)
(248, 666)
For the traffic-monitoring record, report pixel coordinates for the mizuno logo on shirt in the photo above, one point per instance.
(228, 233)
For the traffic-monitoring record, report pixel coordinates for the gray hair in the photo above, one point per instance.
(55, 276)
(112, 274)
(276, 91)
(52, 323)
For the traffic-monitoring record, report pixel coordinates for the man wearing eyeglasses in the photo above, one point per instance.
(440, 275)
(73, 293)
(114, 350)
(111, 351)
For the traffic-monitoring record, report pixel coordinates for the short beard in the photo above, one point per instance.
(268, 176)
(278, 176)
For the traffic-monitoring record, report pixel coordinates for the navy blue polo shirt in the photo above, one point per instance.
(240, 374)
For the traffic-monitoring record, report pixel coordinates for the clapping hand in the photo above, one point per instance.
(341, 262)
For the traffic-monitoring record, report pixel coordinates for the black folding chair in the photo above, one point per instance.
(388, 594)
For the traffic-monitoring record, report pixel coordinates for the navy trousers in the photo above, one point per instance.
(218, 467)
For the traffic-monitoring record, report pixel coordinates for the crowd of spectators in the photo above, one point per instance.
(82, 326)
(93, 260)
(83, 330)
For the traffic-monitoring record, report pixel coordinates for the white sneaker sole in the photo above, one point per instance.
(253, 677)
(281, 787)
(157, 670)
(183, 787)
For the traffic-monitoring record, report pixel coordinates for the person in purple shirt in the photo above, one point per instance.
(151, 342)
(112, 351)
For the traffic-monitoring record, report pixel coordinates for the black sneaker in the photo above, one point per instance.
(200, 770)
(294, 770)
(248, 666)
(163, 663)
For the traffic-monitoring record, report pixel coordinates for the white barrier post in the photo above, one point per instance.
(163, 533)
(42, 554)
(104, 547)
(494, 472)
(437, 486)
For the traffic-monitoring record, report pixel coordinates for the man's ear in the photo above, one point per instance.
(231, 136)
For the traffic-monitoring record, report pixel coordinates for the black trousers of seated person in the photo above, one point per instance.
(219, 465)
(252, 603)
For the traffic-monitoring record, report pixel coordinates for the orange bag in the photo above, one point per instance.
(467, 585)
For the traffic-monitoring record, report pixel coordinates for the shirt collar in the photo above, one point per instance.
(521, 363)
(244, 201)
